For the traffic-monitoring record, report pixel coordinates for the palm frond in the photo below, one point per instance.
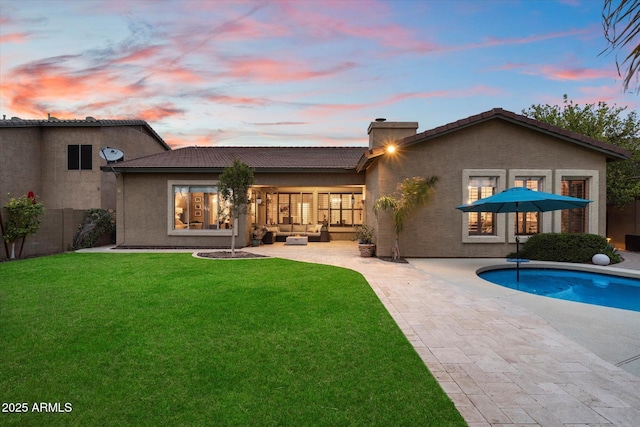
(622, 27)
(412, 193)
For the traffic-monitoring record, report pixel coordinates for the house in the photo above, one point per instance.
(170, 199)
(59, 160)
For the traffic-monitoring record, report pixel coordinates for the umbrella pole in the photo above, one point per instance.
(517, 258)
(517, 247)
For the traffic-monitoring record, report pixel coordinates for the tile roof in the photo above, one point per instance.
(262, 159)
(88, 122)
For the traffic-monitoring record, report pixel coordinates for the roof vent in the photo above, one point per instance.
(381, 119)
(91, 119)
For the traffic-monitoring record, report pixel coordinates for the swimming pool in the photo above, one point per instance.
(587, 287)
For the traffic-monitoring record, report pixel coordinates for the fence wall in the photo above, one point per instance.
(55, 234)
(623, 221)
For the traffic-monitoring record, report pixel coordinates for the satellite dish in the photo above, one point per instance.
(111, 155)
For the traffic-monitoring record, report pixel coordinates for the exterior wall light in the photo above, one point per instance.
(391, 148)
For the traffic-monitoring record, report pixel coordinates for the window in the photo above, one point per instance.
(293, 208)
(340, 209)
(528, 223)
(574, 220)
(481, 223)
(79, 157)
(199, 208)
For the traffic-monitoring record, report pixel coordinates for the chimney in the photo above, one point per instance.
(382, 133)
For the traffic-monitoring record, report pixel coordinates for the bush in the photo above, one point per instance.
(96, 223)
(24, 220)
(364, 234)
(559, 247)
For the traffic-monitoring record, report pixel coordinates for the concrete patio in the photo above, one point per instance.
(505, 358)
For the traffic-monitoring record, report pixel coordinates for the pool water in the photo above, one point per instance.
(571, 285)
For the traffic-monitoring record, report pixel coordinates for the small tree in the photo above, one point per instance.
(412, 193)
(24, 219)
(234, 185)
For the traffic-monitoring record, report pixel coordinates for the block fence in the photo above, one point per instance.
(54, 236)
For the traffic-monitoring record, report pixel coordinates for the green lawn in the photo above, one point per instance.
(167, 339)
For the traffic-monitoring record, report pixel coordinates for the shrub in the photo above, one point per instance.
(561, 247)
(364, 234)
(96, 223)
(24, 220)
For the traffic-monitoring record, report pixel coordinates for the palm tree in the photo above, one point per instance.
(412, 193)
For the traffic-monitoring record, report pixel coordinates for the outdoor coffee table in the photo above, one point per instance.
(297, 240)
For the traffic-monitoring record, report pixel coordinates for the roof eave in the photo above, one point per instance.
(114, 168)
(368, 157)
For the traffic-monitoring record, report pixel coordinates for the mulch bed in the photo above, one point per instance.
(390, 259)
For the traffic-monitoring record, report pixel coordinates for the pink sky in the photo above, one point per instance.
(297, 72)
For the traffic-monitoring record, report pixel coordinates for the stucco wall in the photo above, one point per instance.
(143, 205)
(622, 221)
(62, 188)
(20, 162)
(34, 158)
(436, 230)
(144, 208)
(55, 235)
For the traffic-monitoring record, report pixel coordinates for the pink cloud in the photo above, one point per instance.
(175, 74)
(495, 41)
(236, 100)
(25, 95)
(14, 38)
(326, 20)
(271, 70)
(558, 72)
(159, 112)
(139, 55)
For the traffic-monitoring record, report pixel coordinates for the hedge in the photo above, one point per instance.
(563, 247)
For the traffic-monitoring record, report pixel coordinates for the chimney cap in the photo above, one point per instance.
(381, 119)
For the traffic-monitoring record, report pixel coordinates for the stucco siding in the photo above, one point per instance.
(69, 188)
(21, 163)
(144, 205)
(34, 158)
(436, 230)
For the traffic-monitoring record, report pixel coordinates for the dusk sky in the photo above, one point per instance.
(298, 73)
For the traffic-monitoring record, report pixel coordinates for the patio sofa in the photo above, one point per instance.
(282, 231)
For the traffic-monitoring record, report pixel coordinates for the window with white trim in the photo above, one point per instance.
(198, 207)
(482, 223)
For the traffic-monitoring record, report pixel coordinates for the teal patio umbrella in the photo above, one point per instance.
(521, 199)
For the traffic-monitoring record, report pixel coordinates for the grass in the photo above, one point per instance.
(167, 339)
